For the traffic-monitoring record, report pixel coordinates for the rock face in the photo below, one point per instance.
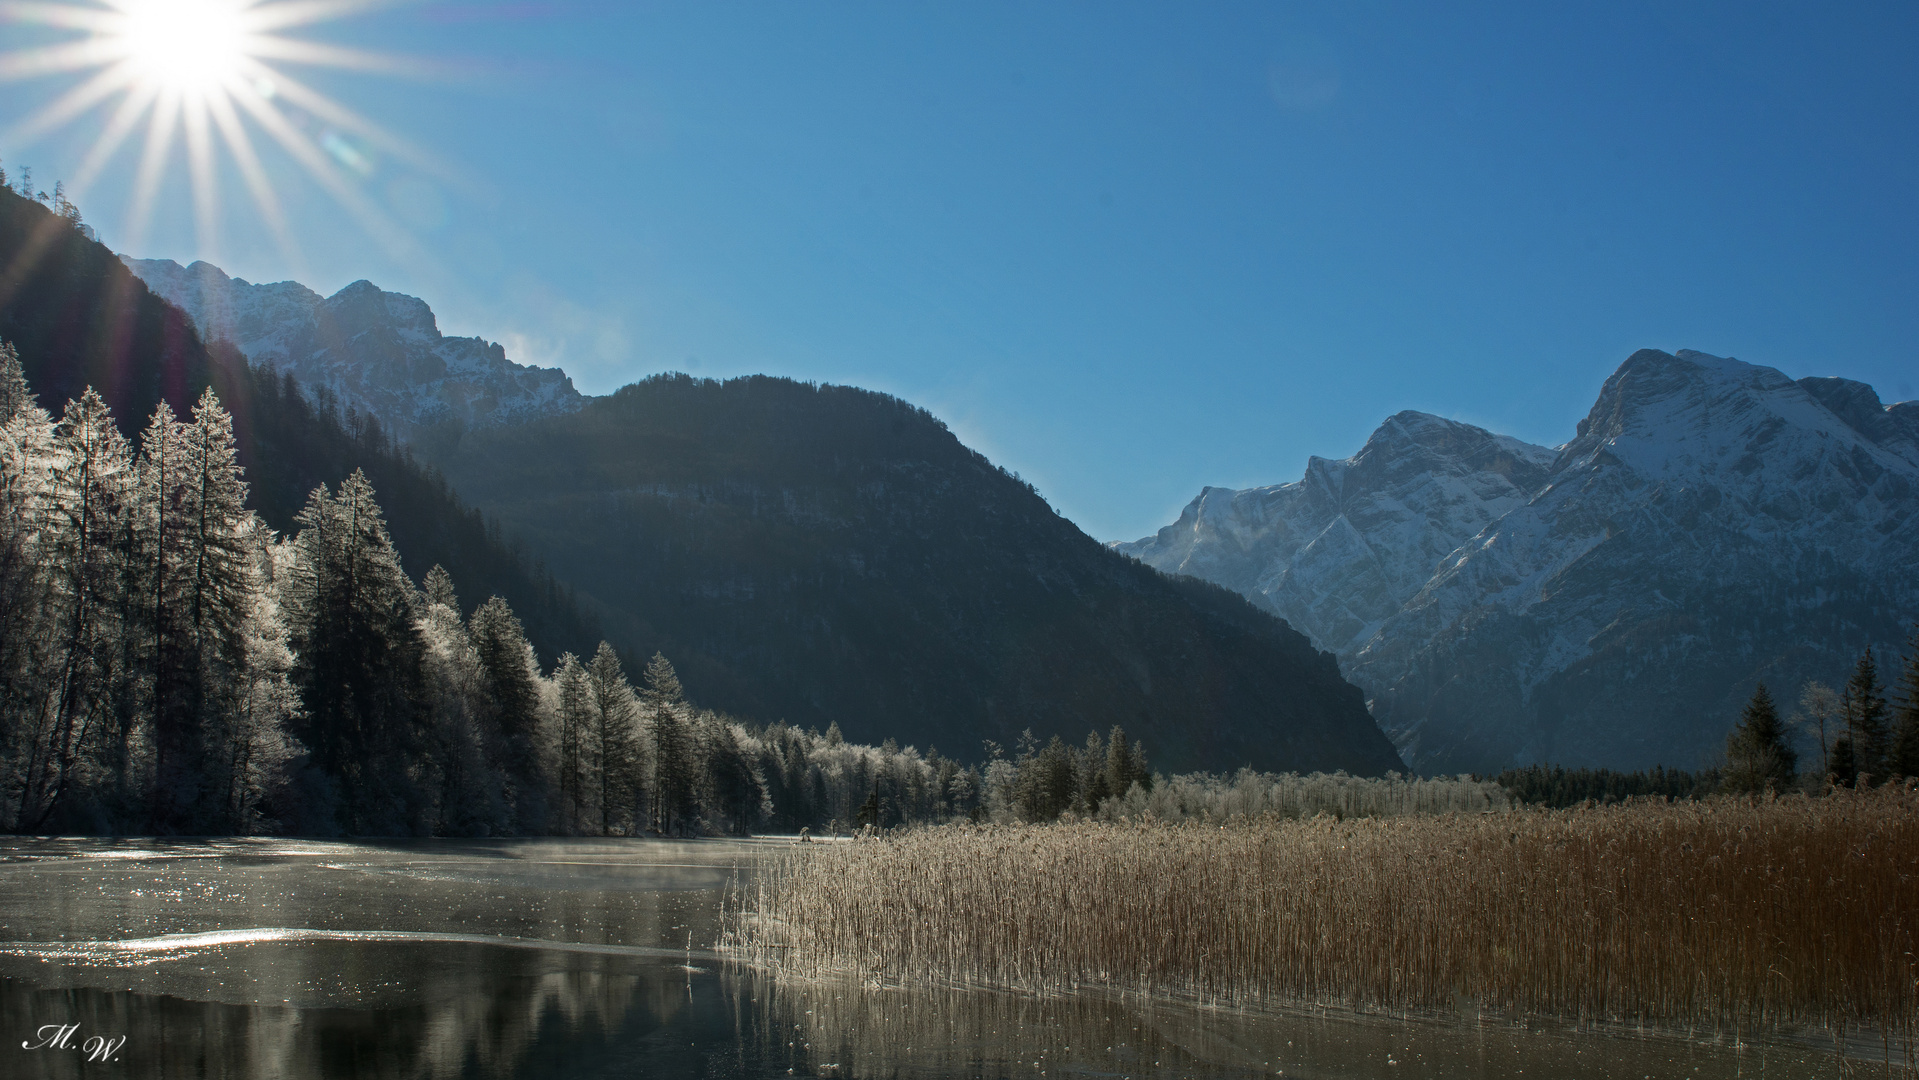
(378, 351)
(1712, 524)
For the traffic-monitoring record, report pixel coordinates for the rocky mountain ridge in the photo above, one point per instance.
(379, 352)
(1607, 602)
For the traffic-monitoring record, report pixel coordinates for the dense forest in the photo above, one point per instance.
(171, 664)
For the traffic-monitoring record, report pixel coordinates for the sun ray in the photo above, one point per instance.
(64, 16)
(290, 13)
(206, 183)
(119, 126)
(146, 182)
(383, 230)
(336, 56)
(54, 59)
(346, 119)
(240, 145)
(72, 103)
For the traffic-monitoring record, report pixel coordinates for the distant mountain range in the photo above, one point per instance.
(379, 352)
(816, 554)
(1606, 602)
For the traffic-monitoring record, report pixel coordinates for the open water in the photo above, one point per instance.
(565, 958)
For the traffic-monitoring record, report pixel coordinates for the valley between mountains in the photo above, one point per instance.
(824, 554)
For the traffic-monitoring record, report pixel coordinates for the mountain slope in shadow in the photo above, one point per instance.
(826, 554)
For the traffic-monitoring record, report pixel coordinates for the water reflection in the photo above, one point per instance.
(580, 959)
(854, 1030)
(249, 958)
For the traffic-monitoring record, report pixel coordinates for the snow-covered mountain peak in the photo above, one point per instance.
(1340, 549)
(1694, 415)
(364, 306)
(1713, 522)
(377, 351)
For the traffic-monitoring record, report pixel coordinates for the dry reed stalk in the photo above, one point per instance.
(1732, 914)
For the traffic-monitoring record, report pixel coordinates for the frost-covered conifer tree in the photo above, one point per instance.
(438, 589)
(575, 721)
(674, 791)
(512, 680)
(89, 491)
(359, 663)
(1095, 786)
(251, 741)
(26, 629)
(617, 756)
(1125, 763)
(204, 576)
(469, 797)
(734, 792)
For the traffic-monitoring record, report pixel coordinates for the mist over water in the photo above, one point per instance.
(290, 958)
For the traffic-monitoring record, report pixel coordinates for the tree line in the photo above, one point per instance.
(1862, 737)
(170, 664)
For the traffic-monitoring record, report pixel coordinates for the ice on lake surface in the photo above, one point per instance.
(575, 958)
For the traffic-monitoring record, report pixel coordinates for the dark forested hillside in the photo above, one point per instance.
(822, 553)
(79, 318)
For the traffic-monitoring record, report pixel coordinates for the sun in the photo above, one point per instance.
(192, 46)
(210, 74)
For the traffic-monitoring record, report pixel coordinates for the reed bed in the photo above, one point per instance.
(1775, 915)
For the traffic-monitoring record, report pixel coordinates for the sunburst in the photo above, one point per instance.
(213, 73)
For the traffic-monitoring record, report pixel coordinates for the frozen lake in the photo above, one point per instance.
(579, 958)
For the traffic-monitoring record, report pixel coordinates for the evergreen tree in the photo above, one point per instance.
(204, 577)
(26, 631)
(438, 589)
(89, 490)
(613, 716)
(512, 679)
(575, 717)
(360, 657)
(1046, 782)
(15, 398)
(1757, 756)
(675, 779)
(1865, 711)
(252, 743)
(1096, 785)
(735, 790)
(1125, 763)
(469, 796)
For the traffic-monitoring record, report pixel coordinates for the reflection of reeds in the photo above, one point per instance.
(845, 1027)
(1729, 914)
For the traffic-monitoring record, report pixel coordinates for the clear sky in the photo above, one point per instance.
(1124, 249)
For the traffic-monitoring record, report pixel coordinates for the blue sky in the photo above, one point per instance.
(1124, 249)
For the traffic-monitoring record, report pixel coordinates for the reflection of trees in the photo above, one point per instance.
(357, 1007)
(485, 1024)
